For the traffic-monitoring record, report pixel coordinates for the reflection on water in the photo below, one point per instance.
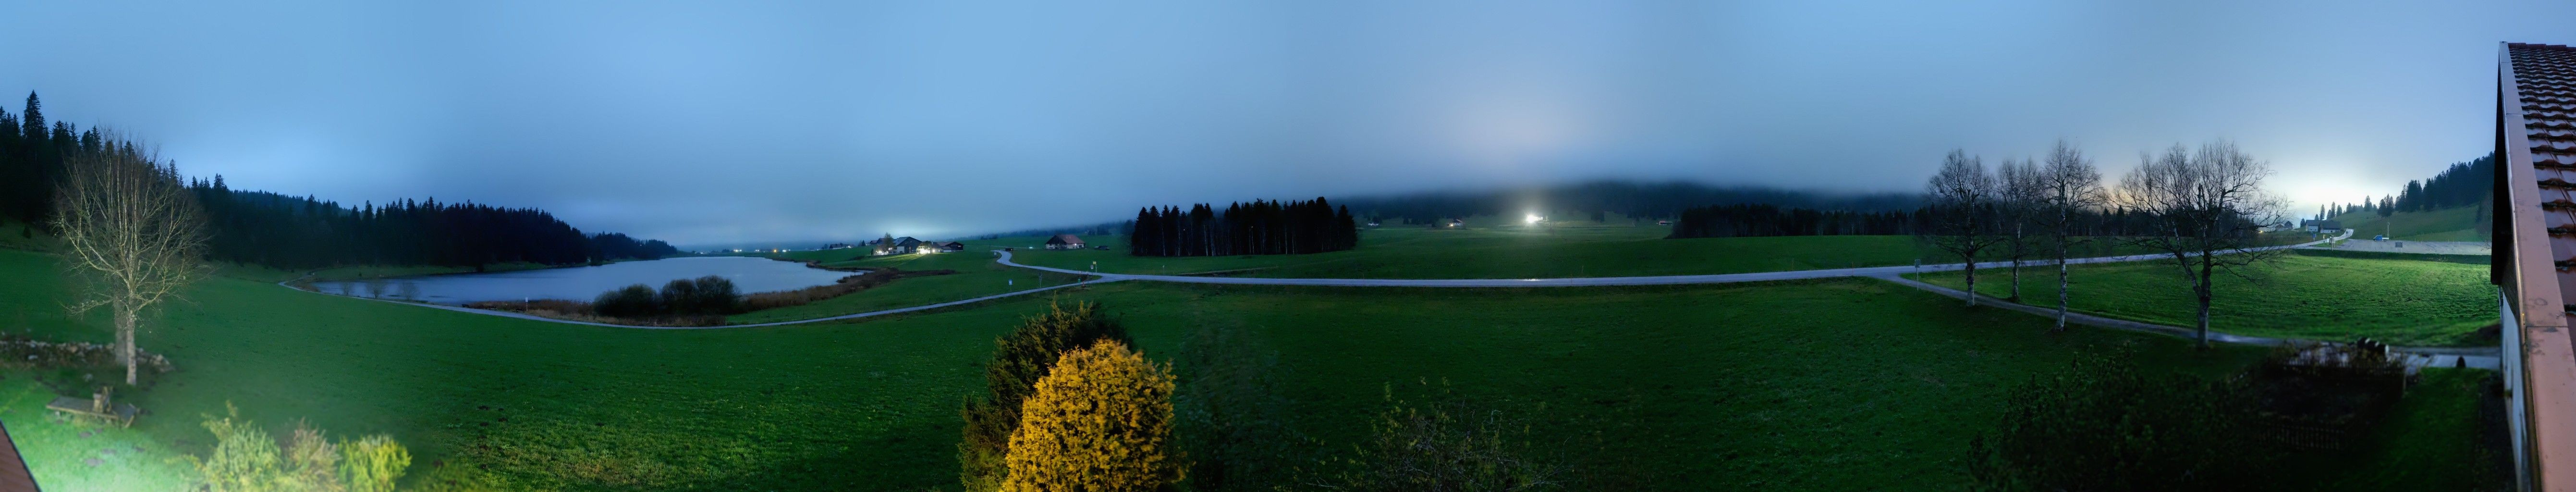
(583, 283)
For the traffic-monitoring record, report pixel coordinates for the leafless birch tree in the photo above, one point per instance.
(133, 237)
(2204, 207)
(2018, 201)
(2069, 186)
(1961, 211)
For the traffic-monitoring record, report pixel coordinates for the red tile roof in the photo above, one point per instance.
(2535, 248)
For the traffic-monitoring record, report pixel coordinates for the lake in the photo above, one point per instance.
(749, 275)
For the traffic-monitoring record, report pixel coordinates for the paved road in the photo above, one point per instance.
(1602, 281)
(2417, 247)
(1005, 258)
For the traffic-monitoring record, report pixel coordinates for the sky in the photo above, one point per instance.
(715, 123)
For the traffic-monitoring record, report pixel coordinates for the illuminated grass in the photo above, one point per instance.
(2402, 302)
(85, 455)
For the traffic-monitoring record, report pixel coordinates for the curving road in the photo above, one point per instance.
(1609, 281)
(1005, 259)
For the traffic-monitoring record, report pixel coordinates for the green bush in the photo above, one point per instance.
(632, 301)
(1019, 360)
(372, 464)
(703, 295)
(246, 459)
(2102, 424)
(1232, 415)
(1443, 444)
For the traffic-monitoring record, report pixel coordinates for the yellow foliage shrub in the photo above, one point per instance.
(1100, 420)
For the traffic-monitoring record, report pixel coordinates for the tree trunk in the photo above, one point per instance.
(2017, 247)
(125, 320)
(2016, 279)
(1972, 279)
(2061, 287)
(2202, 290)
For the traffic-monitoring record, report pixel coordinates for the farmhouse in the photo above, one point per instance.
(2317, 225)
(944, 247)
(1064, 241)
(898, 246)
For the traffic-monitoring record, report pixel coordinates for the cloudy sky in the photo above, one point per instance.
(724, 122)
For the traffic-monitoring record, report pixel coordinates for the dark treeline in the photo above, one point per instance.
(1641, 200)
(2463, 184)
(32, 151)
(284, 231)
(1100, 229)
(265, 228)
(1257, 228)
(1770, 220)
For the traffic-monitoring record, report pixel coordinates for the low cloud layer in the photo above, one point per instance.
(725, 123)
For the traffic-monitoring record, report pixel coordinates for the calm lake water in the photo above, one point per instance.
(584, 283)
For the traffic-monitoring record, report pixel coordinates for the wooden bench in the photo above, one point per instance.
(96, 406)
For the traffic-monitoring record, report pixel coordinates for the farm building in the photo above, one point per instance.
(897, 246)
(945, 247)
(1064, 241)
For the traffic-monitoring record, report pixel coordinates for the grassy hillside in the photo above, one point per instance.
(1804, 386)
(2450, 224)
(2403, 302)
(977, 276)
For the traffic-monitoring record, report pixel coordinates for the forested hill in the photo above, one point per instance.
(2464, 184)
(286, 231)
(1634, 199)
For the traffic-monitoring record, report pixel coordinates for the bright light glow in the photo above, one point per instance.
(1534, 219)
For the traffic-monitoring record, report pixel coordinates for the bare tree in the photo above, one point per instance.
(2069, 186)
(2018, 201)
(1961, 212)
(134, 236)
(2204, 207)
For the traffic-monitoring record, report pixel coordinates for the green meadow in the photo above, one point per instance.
(2450, 224)
(977, 276)
(1829, 385)
(1506, 252)
(2392, 298)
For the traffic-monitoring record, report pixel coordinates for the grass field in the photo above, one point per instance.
(2450, 224)
(1581, 250)
(2421, 447)
(2399, 301)
(1509, 252)
(1835, 385)
(977, 276)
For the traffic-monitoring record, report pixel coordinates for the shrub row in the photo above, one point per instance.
(708, 295)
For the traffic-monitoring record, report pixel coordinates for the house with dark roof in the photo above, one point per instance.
(946, 247)
(2320, 225)
(898, 246)
(2535, 162)
(1064, 241)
